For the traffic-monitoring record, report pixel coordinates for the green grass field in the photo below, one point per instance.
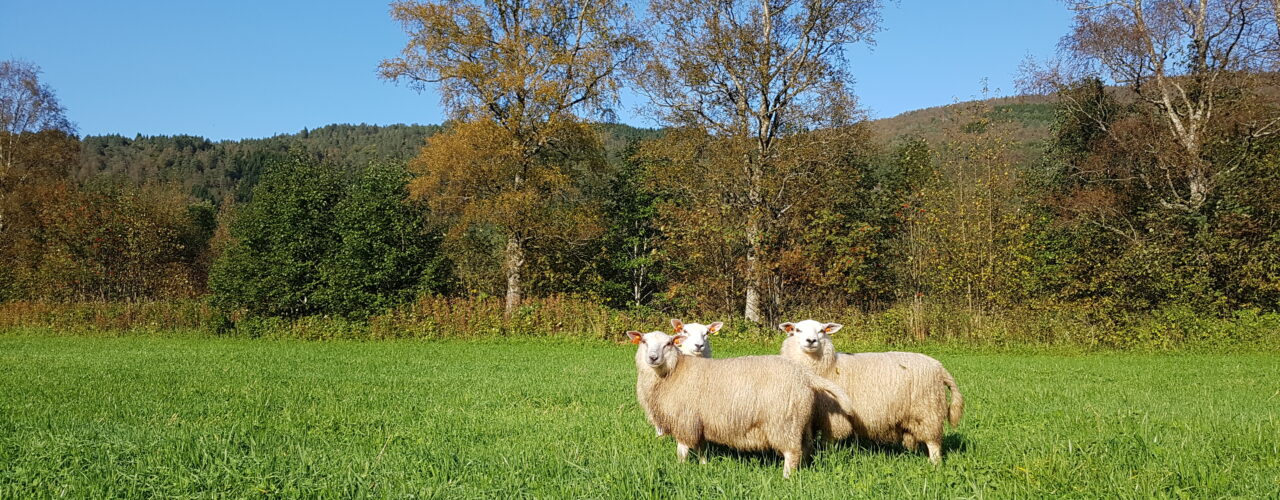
(182, 417)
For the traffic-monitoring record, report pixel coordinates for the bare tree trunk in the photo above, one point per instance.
(752, 309)
(513, 263)
(640, 273)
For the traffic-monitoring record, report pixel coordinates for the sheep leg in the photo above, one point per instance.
(790, 460)
(935, 451)
(659, 431)
(701, 452)
(682, 451)
(909, 441)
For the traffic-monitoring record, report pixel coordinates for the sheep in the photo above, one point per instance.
(699, 343)
(746, 403)
(696, 344)
(900, 397)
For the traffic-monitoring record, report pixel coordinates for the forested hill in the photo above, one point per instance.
(1030, 117)
(213, 170)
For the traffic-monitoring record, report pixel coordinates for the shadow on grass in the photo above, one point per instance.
(767, 458)
(954, 442)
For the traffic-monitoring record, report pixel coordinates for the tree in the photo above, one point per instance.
(1114, 244)
(752, 74)
(460, 174)
(808, 251)
(385, 254)
(515, 72)
(281, 239)
(1157, 183)
(313, 242)
(1194, 65)
(108, 241)
(632, 238)
(27, 107)
(967, 224)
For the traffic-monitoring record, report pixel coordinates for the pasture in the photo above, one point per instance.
(183, 417)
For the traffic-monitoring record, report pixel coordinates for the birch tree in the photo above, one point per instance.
(752, 74)
(1194, 64)
(523, 72)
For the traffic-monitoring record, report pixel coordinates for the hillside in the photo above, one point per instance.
(213, 171)
(1031, 118)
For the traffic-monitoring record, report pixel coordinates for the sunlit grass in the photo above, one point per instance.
(166, 417)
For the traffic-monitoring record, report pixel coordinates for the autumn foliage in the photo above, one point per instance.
(1140, 187)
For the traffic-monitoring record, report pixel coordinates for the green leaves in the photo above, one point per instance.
(308, 245)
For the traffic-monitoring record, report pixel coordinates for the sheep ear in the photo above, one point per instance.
(832, 328)
(679, 339)
(676, 325)
(715, 327)
(790, 328)
(635, 337)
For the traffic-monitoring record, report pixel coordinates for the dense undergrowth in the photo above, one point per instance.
(558, 317)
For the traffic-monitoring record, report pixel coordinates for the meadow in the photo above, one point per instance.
(200, 416)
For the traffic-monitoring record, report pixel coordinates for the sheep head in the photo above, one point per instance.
(699, 342)
(656, 350)
(810, 335)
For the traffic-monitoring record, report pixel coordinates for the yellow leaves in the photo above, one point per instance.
(463, 162)
(519, 62)
(479, 172)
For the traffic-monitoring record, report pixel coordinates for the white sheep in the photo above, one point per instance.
(699, 342)
(899, 397)
(747, 403)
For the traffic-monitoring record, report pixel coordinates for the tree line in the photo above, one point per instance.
(765, 193)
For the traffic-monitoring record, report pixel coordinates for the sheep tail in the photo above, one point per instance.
(841, 397)
(957, 401)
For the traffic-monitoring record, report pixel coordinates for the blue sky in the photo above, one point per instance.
(237, 69)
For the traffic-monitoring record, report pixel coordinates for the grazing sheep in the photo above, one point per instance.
(746, 403)
(699, 342)
(899, 397)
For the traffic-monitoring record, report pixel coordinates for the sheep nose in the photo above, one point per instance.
(698, 347)
(811, 341)
(653, 357)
